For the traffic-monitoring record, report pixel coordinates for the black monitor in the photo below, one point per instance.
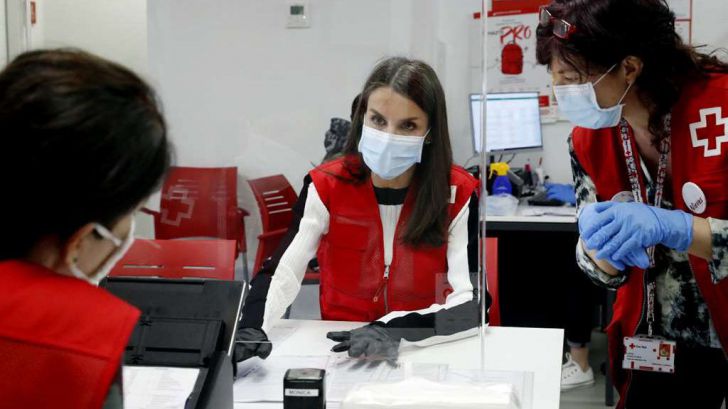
(513, 122)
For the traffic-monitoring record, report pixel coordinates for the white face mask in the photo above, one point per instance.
(122, 246)
(389, 155)
(578, 103)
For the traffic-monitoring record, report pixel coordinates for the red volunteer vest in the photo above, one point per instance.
(699, 155)
(351, 254)
(61, 339)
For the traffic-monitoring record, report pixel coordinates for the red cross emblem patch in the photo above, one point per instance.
(710, 132)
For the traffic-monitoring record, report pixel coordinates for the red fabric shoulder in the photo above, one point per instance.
(466, 184)
(326, 175)
(58, 327)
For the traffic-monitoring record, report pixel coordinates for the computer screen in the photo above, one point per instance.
(513, 121)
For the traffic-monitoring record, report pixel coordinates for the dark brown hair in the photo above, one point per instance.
(608, 31)
(83, 140)
(417, 81)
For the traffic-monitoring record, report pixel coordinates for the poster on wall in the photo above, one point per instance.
(511, 65)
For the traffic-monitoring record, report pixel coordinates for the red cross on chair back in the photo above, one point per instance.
(202, 203)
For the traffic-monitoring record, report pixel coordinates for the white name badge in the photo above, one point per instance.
(694, 198)
(649, 354)
(301, 393)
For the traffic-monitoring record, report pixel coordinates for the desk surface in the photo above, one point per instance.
(538, 214)
(533, 350)
(535, 218)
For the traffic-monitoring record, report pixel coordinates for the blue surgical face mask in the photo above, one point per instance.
(578, 103)
(389, 155)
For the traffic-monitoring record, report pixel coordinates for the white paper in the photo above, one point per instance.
(262, 380)
(280, 333)
(416, 393)
(553, 211)
(344, 373)
(522, 382)
(148, 387)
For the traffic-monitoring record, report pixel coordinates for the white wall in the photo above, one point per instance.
(251, 66)
(117, 29)
(37, 30)
(114, 29)
(708, 29)
(17, 35)
(20, 35)
(240, 89)
(3, 36)
(709, 26)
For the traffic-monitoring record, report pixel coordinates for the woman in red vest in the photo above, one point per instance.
(650, 163)
(393, 223)
(83, 144)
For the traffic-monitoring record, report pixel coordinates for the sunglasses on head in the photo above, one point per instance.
(561, 28)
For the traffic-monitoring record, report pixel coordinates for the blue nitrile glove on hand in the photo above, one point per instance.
(638, 257)
(620, 232)
(560, 192)
(373, 341)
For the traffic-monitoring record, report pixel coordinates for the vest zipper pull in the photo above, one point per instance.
(382, 286)
(386, 281)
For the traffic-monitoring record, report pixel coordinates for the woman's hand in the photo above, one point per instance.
(373, 341)
(620, 232)
(561, 192)
(250, 342)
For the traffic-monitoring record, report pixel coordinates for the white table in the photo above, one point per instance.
(538, 214)
(535, 218)
(533, 350)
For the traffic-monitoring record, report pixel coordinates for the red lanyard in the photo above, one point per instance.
(634, 181)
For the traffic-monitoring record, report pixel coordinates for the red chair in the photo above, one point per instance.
(213, 259)
(275, 197)
(491, 276)
(201, 202)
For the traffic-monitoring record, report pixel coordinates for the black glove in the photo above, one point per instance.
(250, 342)
(372, 341)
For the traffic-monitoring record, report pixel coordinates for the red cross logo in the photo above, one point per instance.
(631, 346)
(712, 126)
(177, 194)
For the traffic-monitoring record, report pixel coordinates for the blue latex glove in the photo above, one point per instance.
(618, 230)
(587, 218)
(561, 192)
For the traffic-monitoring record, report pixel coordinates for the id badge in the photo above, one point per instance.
(649, 354)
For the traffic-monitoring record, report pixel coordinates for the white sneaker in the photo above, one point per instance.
(573, 377)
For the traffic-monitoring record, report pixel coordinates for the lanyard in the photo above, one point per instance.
(634, 181)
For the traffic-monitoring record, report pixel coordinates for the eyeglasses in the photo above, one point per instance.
(561, 28)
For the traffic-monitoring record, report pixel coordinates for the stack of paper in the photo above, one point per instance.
(148, 387)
